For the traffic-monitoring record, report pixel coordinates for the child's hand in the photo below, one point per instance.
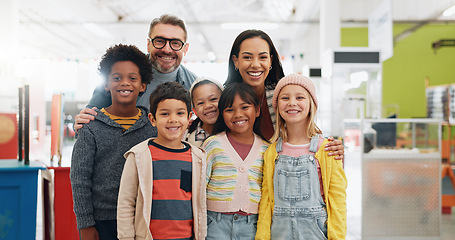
(85, 116)
(336, 148)
(89, 233)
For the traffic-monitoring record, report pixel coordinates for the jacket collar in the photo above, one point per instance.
(143, 146)
(139, 123)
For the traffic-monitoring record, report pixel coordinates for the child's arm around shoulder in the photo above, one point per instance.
(334, 184)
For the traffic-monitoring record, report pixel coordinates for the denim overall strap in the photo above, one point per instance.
(279, 145)
(314, 144)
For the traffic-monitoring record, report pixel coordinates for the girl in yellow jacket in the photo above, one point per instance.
(303, 188)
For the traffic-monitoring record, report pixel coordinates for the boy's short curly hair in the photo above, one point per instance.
(130, 53)
(169, 90)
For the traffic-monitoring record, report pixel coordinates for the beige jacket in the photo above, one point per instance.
(135, 194)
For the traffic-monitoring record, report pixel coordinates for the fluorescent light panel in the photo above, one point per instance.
(251, 25)
(449, 12)
(96, 29)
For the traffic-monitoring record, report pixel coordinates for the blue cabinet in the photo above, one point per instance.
(18, 199)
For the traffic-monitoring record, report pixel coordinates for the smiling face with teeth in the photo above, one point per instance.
(294, 105)
(171, 121)
(239, 119)
(166, 60)
(205, 102)
(253, 62)
(124, 84)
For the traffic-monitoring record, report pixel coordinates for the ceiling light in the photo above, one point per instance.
(211, 55)
(250, 25)
(96, 29)
(449, 12)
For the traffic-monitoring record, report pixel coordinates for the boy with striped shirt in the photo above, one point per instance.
(162, 191)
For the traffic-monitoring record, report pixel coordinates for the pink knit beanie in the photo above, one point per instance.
(295, 79)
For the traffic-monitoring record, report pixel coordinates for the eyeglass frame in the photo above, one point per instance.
(166, 41)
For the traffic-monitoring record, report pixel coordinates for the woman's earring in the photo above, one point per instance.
(236, 68)
(270, 67)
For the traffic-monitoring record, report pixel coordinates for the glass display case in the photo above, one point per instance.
(401, 183)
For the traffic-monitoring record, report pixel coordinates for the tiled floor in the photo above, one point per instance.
(353, 173)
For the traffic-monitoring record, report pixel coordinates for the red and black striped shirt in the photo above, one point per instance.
(172, 213)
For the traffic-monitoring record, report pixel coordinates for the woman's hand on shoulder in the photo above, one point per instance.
(335, 148)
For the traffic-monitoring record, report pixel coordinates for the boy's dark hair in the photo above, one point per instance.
(247, 94)
(169, 90)
(130, 53)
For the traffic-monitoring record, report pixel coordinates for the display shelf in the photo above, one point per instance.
(441, 105)
(437, 102)
(451, 103)
(448, 143)
(401, 179)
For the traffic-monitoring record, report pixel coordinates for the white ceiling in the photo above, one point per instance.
(83, 29)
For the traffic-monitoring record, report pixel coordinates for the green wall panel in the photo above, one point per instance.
(413, 61)
(354, 37)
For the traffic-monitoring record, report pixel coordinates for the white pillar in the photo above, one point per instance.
(8, 55)
(8, 25)
(331, 92)
(329, 25)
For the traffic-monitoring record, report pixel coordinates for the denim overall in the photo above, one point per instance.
(299, 211)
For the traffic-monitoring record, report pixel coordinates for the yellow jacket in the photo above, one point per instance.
(334, 184)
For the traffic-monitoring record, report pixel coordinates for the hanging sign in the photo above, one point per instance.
(380, 30)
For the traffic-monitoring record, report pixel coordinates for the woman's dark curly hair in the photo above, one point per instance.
(275, 74)
(130, 53)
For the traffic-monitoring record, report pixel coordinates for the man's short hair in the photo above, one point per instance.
(169, 90)
(168, 19)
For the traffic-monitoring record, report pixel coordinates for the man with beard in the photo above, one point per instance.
(166, 45)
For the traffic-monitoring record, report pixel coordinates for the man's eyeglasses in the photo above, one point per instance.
(159, 43)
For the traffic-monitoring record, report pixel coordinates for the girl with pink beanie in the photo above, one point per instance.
(303, 188)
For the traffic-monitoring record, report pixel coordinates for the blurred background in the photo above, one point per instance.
(54, 46)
